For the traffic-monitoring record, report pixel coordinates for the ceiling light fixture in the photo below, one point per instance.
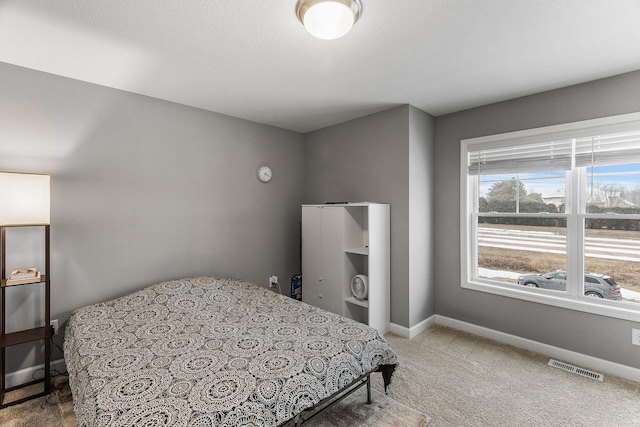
(328, 19)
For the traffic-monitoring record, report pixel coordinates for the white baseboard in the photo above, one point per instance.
(599, 365)
(414, 330)
(27, 374)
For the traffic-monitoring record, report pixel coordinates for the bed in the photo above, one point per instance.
(208, 351)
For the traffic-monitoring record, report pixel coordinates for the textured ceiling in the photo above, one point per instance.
(253, 59)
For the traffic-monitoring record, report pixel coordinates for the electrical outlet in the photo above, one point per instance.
(273, 281)
(54, 325)
(635, 336)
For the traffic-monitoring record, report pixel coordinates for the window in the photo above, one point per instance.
(552, 215)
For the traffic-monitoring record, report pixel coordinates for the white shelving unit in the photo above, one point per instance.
(338, 242)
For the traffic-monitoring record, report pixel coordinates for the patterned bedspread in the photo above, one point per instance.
(207, 352)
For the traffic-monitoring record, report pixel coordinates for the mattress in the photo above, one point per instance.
(208, 351)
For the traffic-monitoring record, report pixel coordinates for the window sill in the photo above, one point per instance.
(615, 309)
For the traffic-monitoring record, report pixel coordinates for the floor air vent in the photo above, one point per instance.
(576, 370)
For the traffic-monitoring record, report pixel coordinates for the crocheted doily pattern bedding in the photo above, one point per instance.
(207, 352)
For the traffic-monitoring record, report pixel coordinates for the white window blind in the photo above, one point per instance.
(517, 157)
(611, 149)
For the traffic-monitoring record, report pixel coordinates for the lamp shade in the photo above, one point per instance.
(24, 199)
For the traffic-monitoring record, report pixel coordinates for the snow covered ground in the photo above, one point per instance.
(545, 241)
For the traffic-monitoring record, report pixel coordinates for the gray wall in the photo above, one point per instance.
(421, 148)
(593, 335)
(145, 190)
(374, 159)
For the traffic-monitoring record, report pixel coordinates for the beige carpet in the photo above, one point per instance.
(54, 410)
(460, 379)
(382, 412)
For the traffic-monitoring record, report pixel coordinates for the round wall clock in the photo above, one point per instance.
(264, 173)
(360, 286)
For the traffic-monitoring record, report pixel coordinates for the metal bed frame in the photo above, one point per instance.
(328, 402)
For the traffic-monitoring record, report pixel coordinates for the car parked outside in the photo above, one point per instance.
(595, 285)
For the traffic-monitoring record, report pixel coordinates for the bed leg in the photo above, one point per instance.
(368, 389)
(387, 372)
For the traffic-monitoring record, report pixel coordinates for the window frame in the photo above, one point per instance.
(575, 215)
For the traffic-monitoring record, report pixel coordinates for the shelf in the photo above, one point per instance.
(354, 301)
(22, 337)
(3, 282)
(42, 333)
(358, 251)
